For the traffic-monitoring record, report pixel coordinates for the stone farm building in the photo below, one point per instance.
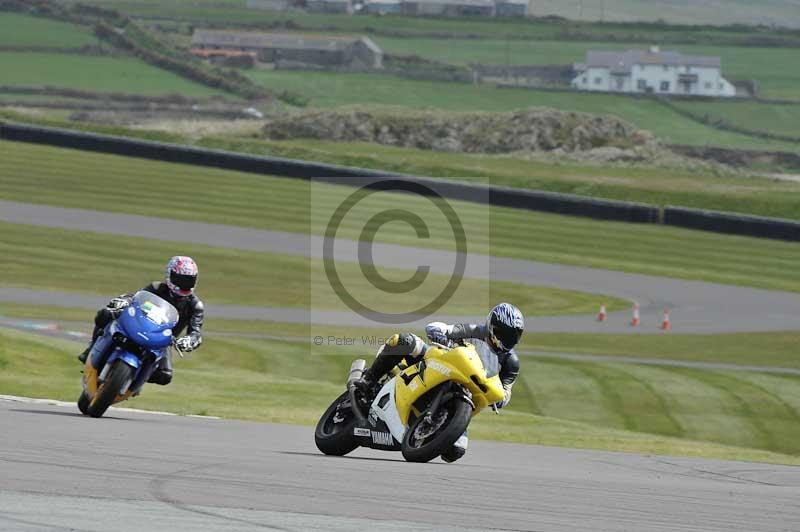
(329, 6)
(652, 71)
(511, 8)
(448, 8)
(351, 52)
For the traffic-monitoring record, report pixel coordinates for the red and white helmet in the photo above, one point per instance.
(181, 275)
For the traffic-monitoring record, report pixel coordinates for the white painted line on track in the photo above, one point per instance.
(71, 404)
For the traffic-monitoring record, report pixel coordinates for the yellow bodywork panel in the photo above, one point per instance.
(461, 364)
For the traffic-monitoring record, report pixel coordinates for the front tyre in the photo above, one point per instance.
(119, 374)
(334, 432)
(83, 403)
(426, 439)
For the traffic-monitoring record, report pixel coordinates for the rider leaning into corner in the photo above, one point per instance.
(177, 289)
(499, 335)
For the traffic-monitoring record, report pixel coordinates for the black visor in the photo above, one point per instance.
(507, 336)
(184, 282)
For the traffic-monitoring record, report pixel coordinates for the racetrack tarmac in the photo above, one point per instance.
(697, 307)
(134, 471)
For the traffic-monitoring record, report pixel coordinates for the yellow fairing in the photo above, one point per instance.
(461, 364)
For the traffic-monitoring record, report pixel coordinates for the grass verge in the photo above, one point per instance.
(662, 412)
(70, 178)
(749, 349)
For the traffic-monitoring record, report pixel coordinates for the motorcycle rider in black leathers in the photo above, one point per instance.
(499, 335)
(178, 290)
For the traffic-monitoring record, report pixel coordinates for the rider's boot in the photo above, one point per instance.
(95, 335)
(457, 450)
(163, 373)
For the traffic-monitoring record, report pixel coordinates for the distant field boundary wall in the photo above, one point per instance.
(721, 124)
(646, 96)
(498, 196)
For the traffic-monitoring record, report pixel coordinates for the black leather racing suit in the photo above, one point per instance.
(190, 317)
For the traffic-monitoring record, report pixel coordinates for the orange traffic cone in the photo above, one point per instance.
(636, 318)
(666, 325)
(602, 316)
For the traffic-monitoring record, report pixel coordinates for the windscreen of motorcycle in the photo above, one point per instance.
(490, 362)
(149, 320)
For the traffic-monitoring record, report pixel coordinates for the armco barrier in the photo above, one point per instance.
(175, 153)
(736, 224)
(500, 196)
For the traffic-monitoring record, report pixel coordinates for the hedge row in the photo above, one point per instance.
(175, 98)
(723, 125)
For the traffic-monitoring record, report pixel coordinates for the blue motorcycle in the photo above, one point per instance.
(126, 355)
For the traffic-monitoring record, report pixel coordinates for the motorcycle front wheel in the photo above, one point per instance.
(334, 432)
(426, 438)
(83, 403)
(118, 375)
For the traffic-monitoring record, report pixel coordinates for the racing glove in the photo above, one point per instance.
(118, 303)
(437, 332)
(187, 343)
(506, 398)
(116, 306)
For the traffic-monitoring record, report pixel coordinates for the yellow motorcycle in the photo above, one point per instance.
(421, 410)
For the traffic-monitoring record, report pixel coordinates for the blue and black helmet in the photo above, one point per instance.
(505, 324)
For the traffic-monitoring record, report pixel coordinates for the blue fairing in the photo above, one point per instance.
(148, 321)
(141, 336)
(129, 358)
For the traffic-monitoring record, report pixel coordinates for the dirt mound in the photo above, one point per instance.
(530, 130)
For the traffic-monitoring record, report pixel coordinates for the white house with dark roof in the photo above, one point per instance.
(652, 71)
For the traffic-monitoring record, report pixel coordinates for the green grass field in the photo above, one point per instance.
(555, 403)
(768, 13)
(746, 349)
(22, 30)
(234, 12)
(77, 179)
(330, 90)
(99, 74)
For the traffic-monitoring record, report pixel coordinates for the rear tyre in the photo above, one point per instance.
(119, 374)
(334, 432)
(425, 440)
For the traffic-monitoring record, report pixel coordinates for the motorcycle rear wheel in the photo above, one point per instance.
(424, 441)
(336, 438)
(119, 374)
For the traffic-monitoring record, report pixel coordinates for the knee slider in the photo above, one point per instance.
(161, 377)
